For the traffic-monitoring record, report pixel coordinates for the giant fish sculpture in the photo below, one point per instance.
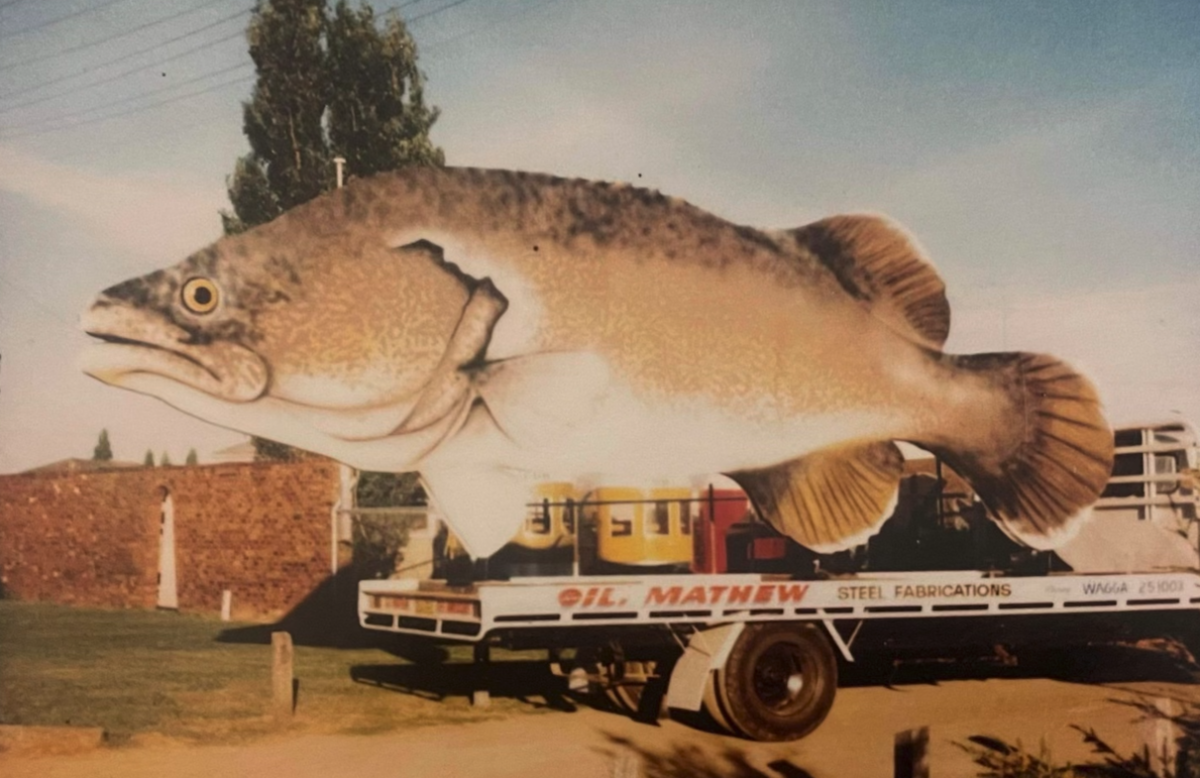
(494, 329)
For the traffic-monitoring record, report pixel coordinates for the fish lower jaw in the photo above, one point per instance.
(119, 362)
(115, 361)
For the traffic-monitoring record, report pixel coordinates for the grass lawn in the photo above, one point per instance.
(139, 672)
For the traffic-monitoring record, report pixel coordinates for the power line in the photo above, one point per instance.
(214, 87)
(161, 134)
(528, 9)
(139, 109)
(130, 99)
(122, 74)
(68, 17)
(435, 11)
(63, 52)
(122, 58)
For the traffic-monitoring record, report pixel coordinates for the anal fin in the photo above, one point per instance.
(830, 500)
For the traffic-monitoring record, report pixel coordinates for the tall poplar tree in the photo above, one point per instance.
(288, 163)
(344, 84)
(378, 120)
(329, 84)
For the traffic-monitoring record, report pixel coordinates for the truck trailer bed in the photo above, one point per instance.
(470, 613)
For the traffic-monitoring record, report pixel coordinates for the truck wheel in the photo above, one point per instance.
(626, 683)
(778, 683)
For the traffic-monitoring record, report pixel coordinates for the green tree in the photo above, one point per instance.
(149, 460)
(288, 163)
(103, 450)
(164, 460)
(250, 193)
(192, 459)
(378, 119)
(328, 84)
(386, 490)
(377, 544)
(270, 451)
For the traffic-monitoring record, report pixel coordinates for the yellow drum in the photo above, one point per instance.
(550, 518)
(634, 528)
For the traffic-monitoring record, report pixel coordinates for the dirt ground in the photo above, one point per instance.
(854, 742)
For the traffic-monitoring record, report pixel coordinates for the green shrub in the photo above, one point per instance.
(378, 541)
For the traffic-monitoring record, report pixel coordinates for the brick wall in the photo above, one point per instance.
(260, 530)
(84, 538)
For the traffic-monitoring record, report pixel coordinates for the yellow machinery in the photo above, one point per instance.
(550, 518)
(636, 528)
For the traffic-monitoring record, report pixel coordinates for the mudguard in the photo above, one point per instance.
(706, 651)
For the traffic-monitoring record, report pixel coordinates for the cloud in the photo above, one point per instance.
(163, 215)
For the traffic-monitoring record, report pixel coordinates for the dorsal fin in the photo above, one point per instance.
(877, 263)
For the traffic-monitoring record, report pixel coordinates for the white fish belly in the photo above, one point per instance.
(622, 436)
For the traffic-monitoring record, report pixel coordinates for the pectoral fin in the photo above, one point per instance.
(830, 500)
(484, 507)
(538, 399)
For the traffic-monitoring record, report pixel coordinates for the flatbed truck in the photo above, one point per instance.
(760, 653)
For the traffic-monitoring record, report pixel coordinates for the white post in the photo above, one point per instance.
(226, 605)
(339, 161)
(168, 592)
(338, 515)
(1160, 736)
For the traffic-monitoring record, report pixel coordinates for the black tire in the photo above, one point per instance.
(777, 684)
(627, 683)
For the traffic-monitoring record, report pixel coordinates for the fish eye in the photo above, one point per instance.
(200, 295)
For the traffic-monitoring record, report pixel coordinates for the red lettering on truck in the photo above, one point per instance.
(660, 596)
(740, 594)
(792, 592)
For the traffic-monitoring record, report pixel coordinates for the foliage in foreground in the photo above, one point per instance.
(1001, 759)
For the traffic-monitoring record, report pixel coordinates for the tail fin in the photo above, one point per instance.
(1047, 456)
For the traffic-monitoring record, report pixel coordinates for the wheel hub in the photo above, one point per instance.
(779, 677)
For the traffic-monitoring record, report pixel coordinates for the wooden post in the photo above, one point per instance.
(282, 672)
(911, 755)
(480, 695)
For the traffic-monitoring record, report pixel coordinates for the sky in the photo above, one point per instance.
(1045, 155)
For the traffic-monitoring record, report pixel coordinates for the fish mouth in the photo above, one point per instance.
(144, 352)
(120, 340)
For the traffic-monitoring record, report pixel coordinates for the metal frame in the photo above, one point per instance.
(470, 614)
